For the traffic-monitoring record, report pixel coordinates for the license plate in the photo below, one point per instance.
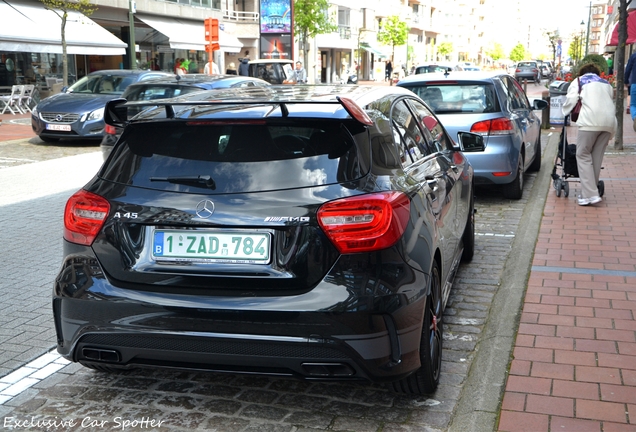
(65, 128)
(212, 246)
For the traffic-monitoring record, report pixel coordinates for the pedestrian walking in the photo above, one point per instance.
(244, 66)
(630, 77)
(215, 69)
(596, 125)
(388, 70)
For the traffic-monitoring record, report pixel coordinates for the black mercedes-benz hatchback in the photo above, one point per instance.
(297, 231)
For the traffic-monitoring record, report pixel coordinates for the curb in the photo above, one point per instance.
(479, 403)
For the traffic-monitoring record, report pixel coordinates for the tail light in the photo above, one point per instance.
(367, 222)
(84, 216)
(498, 126)
(110, 130)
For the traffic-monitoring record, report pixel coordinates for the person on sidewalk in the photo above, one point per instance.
(630, 82)
(596, 125)
(301, 74)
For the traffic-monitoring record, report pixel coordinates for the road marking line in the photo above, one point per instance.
(29, 375)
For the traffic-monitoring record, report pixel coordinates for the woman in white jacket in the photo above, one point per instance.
(596, 125)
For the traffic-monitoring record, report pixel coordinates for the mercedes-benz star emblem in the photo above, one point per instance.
(205, 209)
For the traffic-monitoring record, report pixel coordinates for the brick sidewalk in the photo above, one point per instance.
(574, 361)
(15, 127)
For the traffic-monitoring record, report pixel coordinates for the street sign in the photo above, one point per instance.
(211, 29)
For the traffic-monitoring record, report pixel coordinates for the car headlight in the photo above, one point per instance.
(96, 115)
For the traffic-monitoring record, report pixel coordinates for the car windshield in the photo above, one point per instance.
(102, 84)
(458, 98)
(235, 158)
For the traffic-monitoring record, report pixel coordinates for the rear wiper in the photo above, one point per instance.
(204, 180)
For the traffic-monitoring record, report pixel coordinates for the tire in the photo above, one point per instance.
(601, 188)
(425, 380)
(468, 238)
(48, 139)
(558, 185)
(566, 189)
(536, 163)
(514, 189)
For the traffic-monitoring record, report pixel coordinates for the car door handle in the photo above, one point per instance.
(454, 168)
(431, 182)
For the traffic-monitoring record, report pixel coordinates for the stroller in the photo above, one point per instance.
(566, 161)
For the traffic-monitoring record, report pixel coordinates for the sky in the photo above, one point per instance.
(565, 15)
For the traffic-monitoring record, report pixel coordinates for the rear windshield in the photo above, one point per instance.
(157, 91)
(458, 98)
(235, 158)
(527, 64)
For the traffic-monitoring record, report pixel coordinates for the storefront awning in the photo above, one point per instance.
(188, 35)
(631, 30)
(32, 28)
(365, 46)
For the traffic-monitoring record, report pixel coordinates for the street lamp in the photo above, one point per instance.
(587, 37)
(581, 41)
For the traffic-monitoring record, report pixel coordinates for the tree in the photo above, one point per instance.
(311, 18)
(495, 51)
(518, 53)
(393, 32)
(445, 48)
(61, 8)
(553, 39)
(619, 67)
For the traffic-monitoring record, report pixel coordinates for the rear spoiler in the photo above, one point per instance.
(116, 112)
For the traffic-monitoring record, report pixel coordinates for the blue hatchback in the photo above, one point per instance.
(78, 112)
(495, 106)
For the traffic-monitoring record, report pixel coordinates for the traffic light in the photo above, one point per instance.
(211, 29)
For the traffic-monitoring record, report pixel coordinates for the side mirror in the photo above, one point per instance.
(470, 142)
(116, 113)
(539, 104)
(64, 89)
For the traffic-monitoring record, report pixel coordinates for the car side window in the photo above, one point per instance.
(434, 133)
(521, 95)
(407, 136)
(516, 98)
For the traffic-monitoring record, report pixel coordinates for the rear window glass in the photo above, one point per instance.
(467, 98)
(237, 158)
(157, 91)
(527, 64)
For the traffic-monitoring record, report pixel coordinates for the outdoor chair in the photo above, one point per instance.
(26, 98)
(12, 101)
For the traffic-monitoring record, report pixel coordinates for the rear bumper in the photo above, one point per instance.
(501, 155)
(334, 331)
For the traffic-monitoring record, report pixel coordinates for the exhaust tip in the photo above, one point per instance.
(102, 355)
(328, 369)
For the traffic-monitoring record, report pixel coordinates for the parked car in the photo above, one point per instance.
(173, 86)
(528, 70)
(494, 105)
(77, 112)
(274, 71)
(306, 231)
(432, 68)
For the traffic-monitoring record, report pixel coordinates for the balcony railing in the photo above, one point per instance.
(344, 31)
(240, 16)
